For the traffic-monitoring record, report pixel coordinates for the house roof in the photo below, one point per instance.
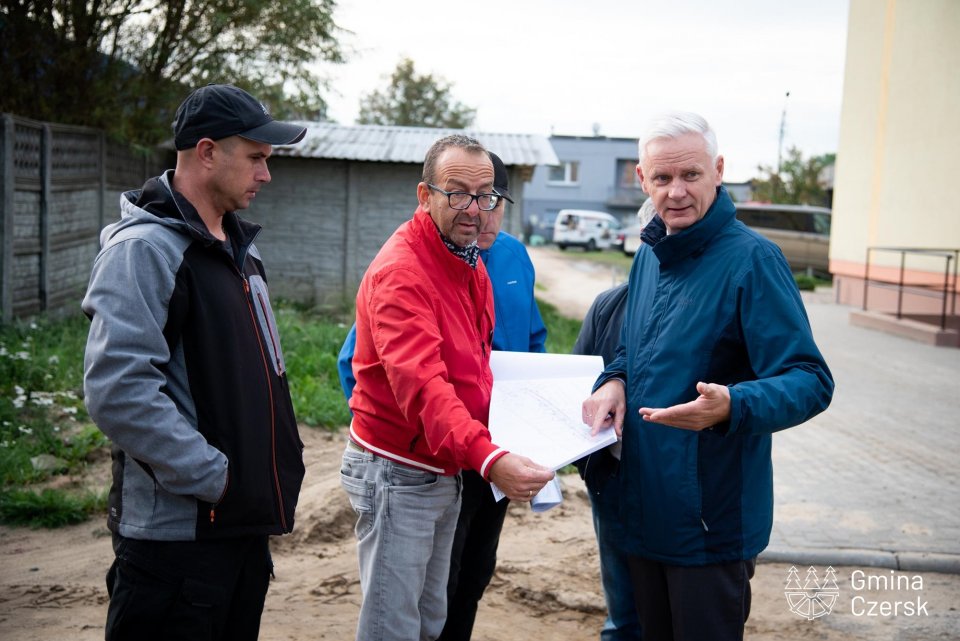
(380, 143)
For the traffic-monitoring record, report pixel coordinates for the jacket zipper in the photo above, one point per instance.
(213, 506)
(273, 421)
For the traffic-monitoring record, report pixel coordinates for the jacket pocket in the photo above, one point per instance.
(267, 322)
(360, 491)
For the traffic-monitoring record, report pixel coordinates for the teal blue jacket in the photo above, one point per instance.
(716, 303)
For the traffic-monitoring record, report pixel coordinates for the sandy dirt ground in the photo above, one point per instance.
(546, 586)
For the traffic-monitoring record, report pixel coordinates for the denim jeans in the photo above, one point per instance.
(406, 519)
(602, 478)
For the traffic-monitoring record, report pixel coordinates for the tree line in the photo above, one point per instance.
(124, 65)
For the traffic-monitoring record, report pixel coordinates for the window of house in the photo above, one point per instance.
(627, 174)
(566, 173)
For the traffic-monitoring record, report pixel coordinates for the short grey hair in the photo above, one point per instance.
(646, 212)
(471, 145)
(674, 124)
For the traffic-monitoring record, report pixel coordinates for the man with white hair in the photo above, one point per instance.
(715, 355)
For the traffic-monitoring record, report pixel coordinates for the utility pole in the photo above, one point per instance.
(783, 126)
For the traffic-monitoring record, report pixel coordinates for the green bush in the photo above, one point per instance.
(808, 283)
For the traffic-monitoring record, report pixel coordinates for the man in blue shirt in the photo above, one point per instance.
(519, 328)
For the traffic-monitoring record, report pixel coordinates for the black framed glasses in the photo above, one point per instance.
(462, 200)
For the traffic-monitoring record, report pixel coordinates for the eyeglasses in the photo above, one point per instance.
(462, 200)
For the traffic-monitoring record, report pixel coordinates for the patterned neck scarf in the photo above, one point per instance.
(468, 254)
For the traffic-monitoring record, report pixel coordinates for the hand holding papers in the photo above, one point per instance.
(518, 476)
(535, 409)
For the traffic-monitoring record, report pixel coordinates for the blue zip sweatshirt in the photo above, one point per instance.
(715, 303)
(519, 326)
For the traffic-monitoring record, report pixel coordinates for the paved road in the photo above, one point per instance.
(875, 480)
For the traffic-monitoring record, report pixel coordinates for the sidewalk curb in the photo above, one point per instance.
(904, 561)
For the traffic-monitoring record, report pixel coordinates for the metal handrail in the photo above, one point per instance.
(948, 287)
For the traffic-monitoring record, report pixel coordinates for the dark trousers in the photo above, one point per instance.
(698, 603)
(196, 590)
(474, 556)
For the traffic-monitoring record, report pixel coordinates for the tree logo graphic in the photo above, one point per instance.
(811, 598)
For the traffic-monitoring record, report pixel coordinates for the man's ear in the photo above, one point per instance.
(719, 166)
(423, 196)
(640, 177)
(204, 151)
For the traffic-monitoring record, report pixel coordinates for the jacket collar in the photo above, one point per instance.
(430, 237)
(694, 239)
(158, 197)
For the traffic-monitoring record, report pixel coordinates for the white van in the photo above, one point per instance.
(584, 228)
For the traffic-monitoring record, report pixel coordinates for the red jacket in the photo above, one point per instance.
(422, 361)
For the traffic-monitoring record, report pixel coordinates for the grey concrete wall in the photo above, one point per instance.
(325, 220)
(57, 185)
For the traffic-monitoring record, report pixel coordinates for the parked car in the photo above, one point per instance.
(585, 228)
(631, 239)
(801, 231)
(542, 228)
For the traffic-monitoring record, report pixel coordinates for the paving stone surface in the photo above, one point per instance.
(880, 469)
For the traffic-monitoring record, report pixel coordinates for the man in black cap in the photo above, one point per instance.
(183, 371)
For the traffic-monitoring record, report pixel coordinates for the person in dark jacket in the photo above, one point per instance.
(716, 354)
(600, 471)
(184, 373)
(600, 335)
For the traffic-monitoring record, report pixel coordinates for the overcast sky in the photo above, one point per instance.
(562, 66)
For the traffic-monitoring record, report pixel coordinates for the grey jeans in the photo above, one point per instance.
(406, 519)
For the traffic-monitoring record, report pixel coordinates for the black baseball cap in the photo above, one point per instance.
(501, 179)
(221, 111)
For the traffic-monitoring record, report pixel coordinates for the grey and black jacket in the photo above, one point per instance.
(183, 372)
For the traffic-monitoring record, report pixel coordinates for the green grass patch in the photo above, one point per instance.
(41, 409)
(311, 343)
(49, 508)
(611, 257)
(562, 332)
(808, 283)
(45, 431)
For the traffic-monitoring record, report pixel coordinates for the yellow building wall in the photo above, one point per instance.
(898, 159)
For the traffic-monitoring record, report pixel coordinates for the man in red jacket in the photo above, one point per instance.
(420, 406)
